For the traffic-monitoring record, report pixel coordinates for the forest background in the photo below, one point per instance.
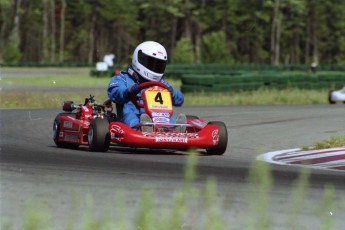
(193, 31)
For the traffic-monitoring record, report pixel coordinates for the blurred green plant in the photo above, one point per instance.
(11, 53)
(215, 49)
(189, 201)
(297, 197)
(183, 54)
(260, 183)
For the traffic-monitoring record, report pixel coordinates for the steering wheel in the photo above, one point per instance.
(145, 85)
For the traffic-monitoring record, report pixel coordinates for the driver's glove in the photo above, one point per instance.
(133, 89)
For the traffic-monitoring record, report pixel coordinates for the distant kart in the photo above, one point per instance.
(336, 95)
(90, 126)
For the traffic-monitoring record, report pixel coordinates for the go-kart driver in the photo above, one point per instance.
(148, 64)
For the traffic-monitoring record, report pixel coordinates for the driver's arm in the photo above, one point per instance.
(118, 89)
(177, 96)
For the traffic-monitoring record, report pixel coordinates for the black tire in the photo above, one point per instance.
(98, 135)
(56, 131)
(223, 139)
(330, 97)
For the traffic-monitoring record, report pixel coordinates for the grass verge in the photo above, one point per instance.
(57, 88)
(263, 96)
(58, 80)
(26, 99)
(15, 99)
(332, 142)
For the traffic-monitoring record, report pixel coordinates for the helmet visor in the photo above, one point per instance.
(154, 64)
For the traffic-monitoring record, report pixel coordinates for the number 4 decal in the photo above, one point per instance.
(159, 98)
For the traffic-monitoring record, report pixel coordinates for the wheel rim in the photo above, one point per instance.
(90, 135)
(55, 128)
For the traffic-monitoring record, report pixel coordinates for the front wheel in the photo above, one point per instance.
(98, 135)
(223, 139)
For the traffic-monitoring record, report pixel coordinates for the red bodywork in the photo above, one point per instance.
(75, 129)
(194, 137)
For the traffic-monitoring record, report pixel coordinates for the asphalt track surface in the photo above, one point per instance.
(33, 170)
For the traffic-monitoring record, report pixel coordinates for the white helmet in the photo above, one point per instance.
(149, 60)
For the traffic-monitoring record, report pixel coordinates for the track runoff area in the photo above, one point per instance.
(329, 159)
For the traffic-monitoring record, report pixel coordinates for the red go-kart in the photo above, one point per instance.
(98, 130)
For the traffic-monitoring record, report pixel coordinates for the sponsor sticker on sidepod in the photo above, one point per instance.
(172, 139)
(67, 124)
(115, 131)
(215, 136)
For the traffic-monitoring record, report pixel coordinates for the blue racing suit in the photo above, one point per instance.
(127, 112)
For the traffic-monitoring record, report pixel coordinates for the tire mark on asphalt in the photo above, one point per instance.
(266, 123)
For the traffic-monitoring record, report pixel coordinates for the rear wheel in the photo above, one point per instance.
(56, 132)
(98, 135)
(330, 97)
(223, 139)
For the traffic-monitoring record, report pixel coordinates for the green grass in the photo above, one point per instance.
(11, 99)
(54, 99)
(65, 80)
(27, 99)
(262, 96)
(333, 142)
